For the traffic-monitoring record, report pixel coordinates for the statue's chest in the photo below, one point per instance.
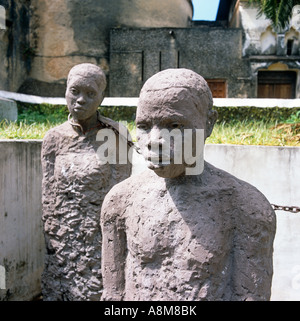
(77, 162)
(190, 229)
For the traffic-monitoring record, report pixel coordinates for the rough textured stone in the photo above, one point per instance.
(65, 33)
(137, 54)
(171, 236)
(8, 109)
(14, 44)
(75, 182)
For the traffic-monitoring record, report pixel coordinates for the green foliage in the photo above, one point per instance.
(119, 113)
(34, 120)
(42, 113)
(256, 133)
(294, 118)
(271, 115)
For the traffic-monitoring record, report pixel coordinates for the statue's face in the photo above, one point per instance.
(158, 116)
(83, 97)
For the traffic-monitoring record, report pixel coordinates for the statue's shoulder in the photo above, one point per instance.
(108, 121)
(123, 191)
(58, 131)
(53, 137)
(115, 201)
(129, 185)
(248, 203)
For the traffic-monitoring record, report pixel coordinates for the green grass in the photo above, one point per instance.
(24, 130)
(35, 120)
(256, 133)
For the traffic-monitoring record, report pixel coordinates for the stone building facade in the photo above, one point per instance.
(136, 54)
(57, 34)
(14, 44)
(273, 55)
(239, 54)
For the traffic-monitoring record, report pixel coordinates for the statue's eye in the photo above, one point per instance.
(142, 126)
(176, 125)
(74, 91)
(91, 94)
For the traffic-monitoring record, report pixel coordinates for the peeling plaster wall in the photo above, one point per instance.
(253, 28)
(261, 38)
(64, 33)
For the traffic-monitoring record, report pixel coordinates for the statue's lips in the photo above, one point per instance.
(79, 108)
(159, 159)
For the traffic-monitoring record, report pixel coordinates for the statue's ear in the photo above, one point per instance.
(101, 98)
(211, 119)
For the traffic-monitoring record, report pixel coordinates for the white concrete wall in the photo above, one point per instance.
(273, 170)
(21, 238)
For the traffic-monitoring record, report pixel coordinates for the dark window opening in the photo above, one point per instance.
(160, 64)
(289, 49)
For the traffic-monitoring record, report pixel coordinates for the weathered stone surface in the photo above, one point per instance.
(14, 44)
(66, 33)
(8, 109)
(137, 54)
(172, 236)
(75, 182)
(21, 235)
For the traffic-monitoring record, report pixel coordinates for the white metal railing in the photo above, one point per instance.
(132, 101)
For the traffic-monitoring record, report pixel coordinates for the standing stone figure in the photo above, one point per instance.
(75, 182)
(169, 235)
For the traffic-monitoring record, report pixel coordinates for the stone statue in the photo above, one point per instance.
(75, 182)
(169, 235)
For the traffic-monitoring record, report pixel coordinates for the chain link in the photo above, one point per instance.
(129, 142)
(292, 209)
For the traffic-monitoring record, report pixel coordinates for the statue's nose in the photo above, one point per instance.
(81, 99)
(155, 137)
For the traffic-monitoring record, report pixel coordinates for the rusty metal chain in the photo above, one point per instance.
(292, 209)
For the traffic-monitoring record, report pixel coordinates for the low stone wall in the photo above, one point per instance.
(21, 238)
(273, 170)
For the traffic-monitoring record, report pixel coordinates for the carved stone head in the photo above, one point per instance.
(85, 86)
(172, 99)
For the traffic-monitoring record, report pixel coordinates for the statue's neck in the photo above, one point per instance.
(85, 125)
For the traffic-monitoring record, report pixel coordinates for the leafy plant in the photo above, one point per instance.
(294, 118)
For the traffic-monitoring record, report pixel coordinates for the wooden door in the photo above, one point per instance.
(276, 84)
(217, 87)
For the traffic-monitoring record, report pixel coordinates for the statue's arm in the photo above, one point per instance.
(113, 248)
(255, 225)
(48, 155)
